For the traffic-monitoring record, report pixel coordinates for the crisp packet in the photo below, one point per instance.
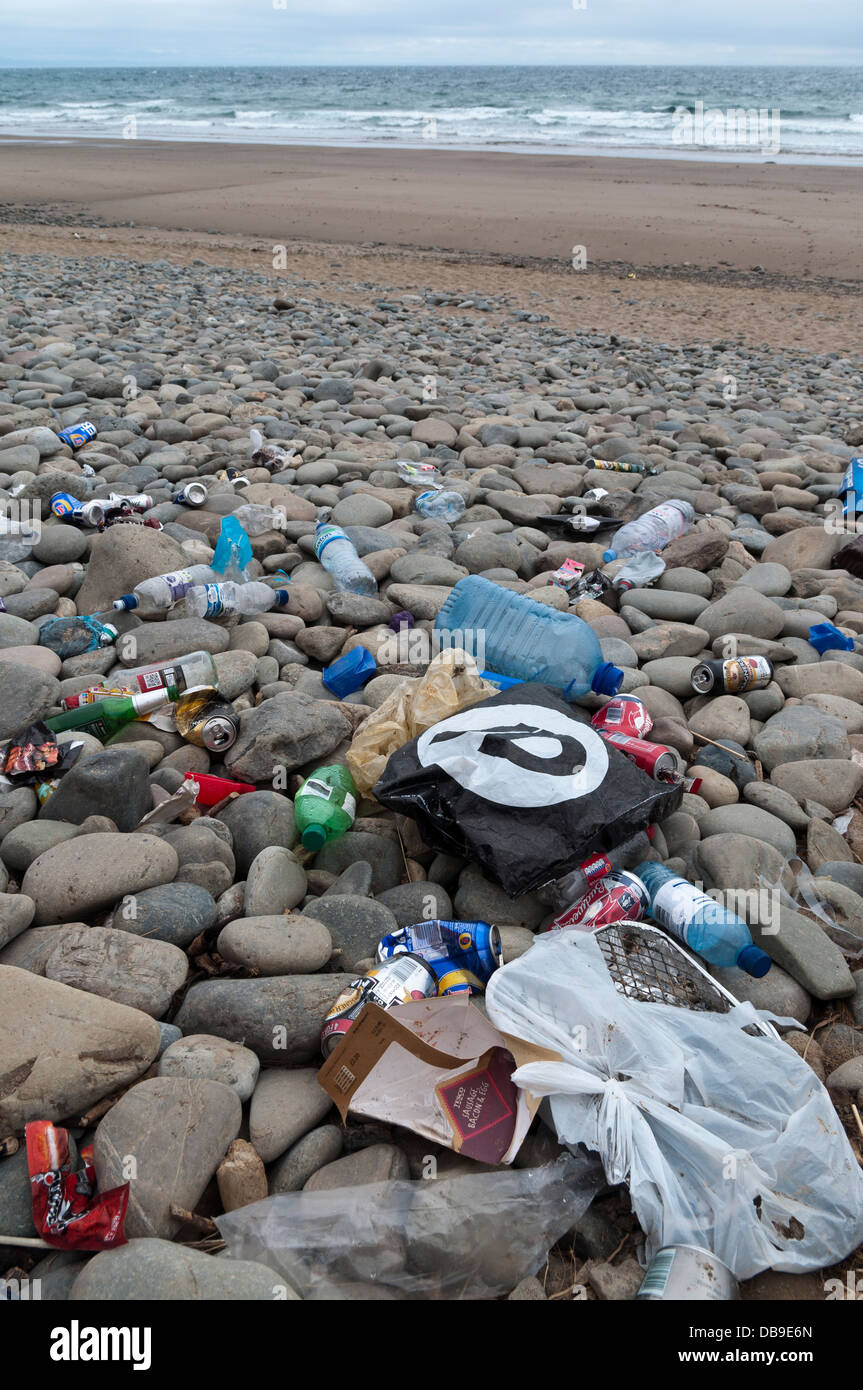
(68, 1213)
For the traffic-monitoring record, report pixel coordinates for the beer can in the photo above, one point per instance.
(63, 504)
(624, 714)
(451, 981)
(733, 677)
(398, 981)
(76, 436)
(621, 897)
(661, 763)
(207, 720)
(688, 1273)
(471, 946)
(192, 495)
(617, 466)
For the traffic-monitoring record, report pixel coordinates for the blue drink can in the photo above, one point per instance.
(76, 436)
(473, 947)
(63, 504)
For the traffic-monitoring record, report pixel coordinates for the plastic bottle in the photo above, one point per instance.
(339, 558)
(226, 600)
(653, 531)
(160, 593)
(435, 505)
(272, 456)
(638, 572)
(197, 671)
(529, 640)
(325, 806)
(107, 717)
(702, 924)
(256, 518)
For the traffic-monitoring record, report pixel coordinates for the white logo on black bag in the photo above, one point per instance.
(517, 755)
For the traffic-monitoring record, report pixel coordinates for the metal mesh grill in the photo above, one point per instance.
(646, 965)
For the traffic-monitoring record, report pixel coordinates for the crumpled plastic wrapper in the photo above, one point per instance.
(451, 683)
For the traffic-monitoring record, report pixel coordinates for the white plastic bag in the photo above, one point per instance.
(727, 1140)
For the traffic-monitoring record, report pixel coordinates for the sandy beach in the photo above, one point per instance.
(673, 248)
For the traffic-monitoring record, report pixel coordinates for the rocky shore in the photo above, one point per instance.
(144, 971)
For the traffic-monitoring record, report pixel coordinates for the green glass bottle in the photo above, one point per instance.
(107, 717)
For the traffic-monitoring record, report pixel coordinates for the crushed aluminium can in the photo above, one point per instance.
(76, 436)
(450, 981)
(63, 504)
(660, 762)
(207, 720)
(192, 495)
(624, 714)
(733, 677)
(619, 897)
(470, 946)
(688, 1273)
(401, 980)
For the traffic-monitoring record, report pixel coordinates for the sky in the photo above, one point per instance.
(144, 33)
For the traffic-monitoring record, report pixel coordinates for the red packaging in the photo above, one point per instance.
(68, 1213)
(212, 790)
(661, 763)
(624, 714)
(621, 897)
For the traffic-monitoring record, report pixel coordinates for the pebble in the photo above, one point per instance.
(177, 1130)
(214, 1059)
(285, 1106)
(289, 944)
(151, 1268)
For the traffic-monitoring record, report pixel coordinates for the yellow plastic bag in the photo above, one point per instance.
(451, 683)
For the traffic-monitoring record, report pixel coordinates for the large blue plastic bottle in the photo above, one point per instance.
(702, 924)
(528, 640)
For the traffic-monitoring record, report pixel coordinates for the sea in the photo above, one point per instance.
(786, 114)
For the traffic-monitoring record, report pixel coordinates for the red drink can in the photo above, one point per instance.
(661, 763)
(621, 897)
(624, 714)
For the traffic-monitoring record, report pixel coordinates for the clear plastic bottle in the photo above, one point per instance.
(639, 572)
(705, 926)
(325, 806)
(197, 671)
(653, 531)
(528, 640)
(256, 518)
(160, 593)
(226, 600)
(339, 558)
(436, 505)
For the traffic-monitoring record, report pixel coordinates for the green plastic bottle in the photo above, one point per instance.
(325, 806)
(107, 717)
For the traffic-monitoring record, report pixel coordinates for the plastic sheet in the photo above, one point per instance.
(726, 1140)
(465, 1237)
(451, 683)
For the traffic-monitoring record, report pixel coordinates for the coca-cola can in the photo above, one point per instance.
(621, 897)
(661, 763)
(624, 714)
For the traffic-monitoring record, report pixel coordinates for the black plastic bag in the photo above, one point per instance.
(522, 785)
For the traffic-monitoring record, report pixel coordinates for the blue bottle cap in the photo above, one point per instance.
(125, 603)
(607, 679)
(754, 961)
(608, 556)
